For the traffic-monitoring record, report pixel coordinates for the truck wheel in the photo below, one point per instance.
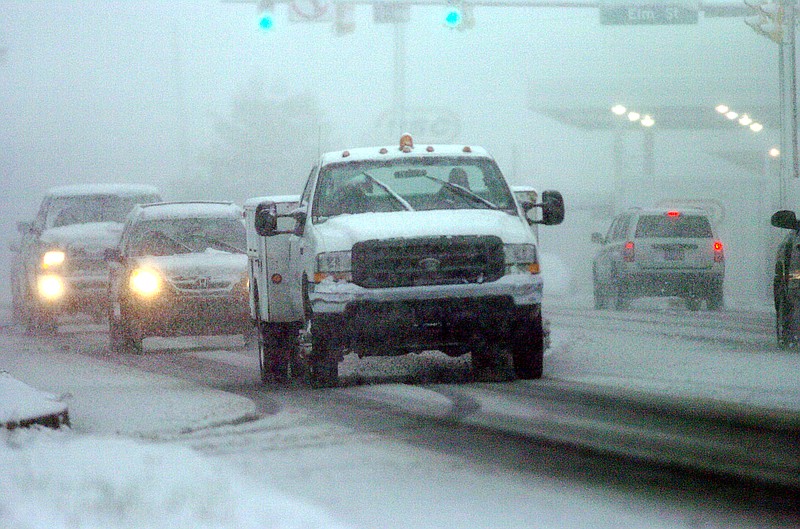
(276, 351)
(323, 364)
(489, 359)
(527, 348)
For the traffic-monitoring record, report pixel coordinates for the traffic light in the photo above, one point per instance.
(266, 15)
(454, 17)
(458, 15)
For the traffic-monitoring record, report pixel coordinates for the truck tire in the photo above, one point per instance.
(489, 359)
(527, 347)
(277, 343)
(323, 364)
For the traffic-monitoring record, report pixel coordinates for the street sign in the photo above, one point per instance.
(391, 13)
(648, 12)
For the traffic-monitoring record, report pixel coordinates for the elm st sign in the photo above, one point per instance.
(647, 12)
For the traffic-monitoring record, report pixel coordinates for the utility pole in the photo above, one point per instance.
(776, 21)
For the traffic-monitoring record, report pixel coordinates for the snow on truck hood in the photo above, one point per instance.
(211, 263)
(341, 232)
(89, 236)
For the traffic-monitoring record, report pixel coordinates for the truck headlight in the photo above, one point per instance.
(334, 265)
(521, 259)
(50, 286)
(145, 282)
(53, 258)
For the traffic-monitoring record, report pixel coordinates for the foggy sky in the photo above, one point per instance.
(127, 91)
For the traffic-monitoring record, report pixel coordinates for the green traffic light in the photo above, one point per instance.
(453, 18)
(266, 21)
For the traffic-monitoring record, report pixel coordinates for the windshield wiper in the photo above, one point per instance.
(184, 248)
(212, 241)
(464, 192)
(403, 202)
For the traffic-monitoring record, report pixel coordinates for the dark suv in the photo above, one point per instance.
(659, 253)
(786, 282)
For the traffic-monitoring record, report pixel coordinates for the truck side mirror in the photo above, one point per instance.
(552, 208)
(784, 219)
(266, 219)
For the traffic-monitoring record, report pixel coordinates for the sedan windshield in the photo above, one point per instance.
(416, 184)
(178, 236)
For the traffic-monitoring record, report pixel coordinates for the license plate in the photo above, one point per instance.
(673, 254)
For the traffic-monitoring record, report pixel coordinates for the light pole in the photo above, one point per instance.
(648, 140)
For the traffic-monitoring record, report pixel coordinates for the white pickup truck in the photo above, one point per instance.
(398, 249)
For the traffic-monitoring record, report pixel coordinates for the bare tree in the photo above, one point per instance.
(265, 146)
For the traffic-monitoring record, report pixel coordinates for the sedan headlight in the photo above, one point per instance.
(53, 258)
(521, 259)
(334, 265)
(145, 282)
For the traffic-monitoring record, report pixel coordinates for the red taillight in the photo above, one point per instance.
(719, 255)
(673, 213)
(627, 252)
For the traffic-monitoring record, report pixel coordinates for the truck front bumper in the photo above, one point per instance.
(445, 317)
(330, 297)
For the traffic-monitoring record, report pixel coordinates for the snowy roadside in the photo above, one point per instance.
(103, 471)
(23, 406)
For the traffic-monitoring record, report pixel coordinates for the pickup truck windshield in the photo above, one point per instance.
(419, 184)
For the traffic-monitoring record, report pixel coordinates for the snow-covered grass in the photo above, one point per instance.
(101, 473)
(60, 479)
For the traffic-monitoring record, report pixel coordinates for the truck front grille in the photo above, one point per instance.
(427, 261)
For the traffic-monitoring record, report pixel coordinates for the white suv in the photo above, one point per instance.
(658, 253)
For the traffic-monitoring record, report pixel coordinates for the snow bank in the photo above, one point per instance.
(57, 479)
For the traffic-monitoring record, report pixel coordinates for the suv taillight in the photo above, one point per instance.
(719, 255)
(627, 252)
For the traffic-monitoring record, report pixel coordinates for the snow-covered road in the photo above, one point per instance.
(380, 452)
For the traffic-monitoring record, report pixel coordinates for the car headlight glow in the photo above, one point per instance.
(334, 265)
(50, 286)
(53, 258)
(521, 259)
(145, 282)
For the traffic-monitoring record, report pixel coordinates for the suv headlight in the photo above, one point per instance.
(53, 258)
(334, 265)
(50, 286)
(145, 282)
(521, 259)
